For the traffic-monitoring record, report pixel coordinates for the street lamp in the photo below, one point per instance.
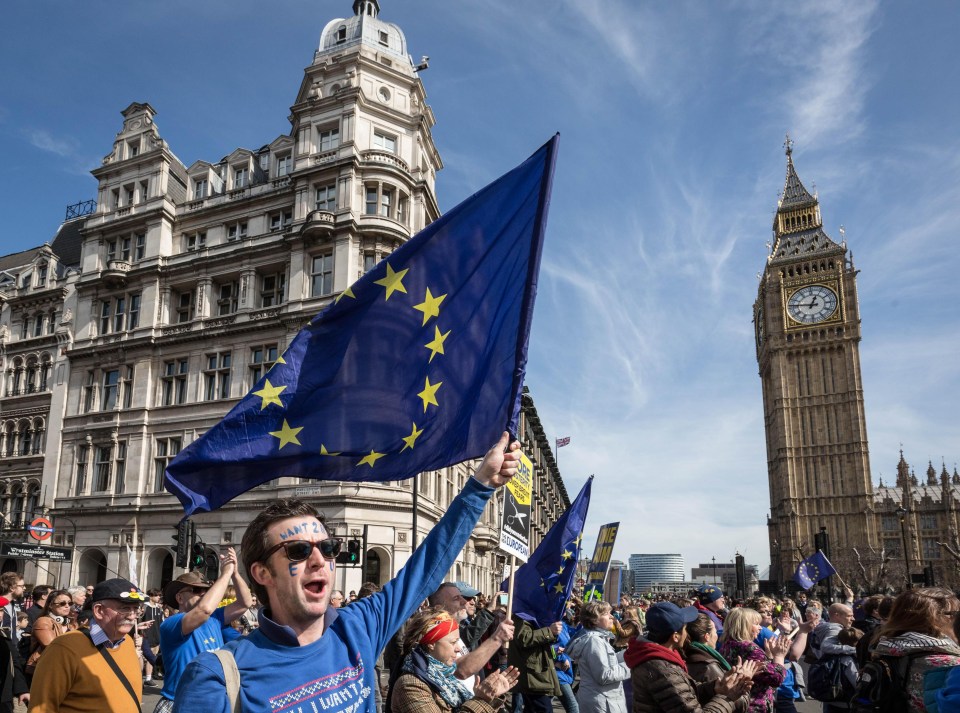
(714, 560)
(902, 514)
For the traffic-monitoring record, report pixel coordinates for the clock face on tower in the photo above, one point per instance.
(812, 304)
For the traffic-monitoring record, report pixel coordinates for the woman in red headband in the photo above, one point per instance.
(427, 683)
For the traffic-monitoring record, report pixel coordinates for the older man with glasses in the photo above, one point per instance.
(308, 655)
(96, 669)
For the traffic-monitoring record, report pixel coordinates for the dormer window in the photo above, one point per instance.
(341, 34)
(200, 188)
(133, 149)
(384, 38)
(241, 177)
(41, 275)
(284, 165)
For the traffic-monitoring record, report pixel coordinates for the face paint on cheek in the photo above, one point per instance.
(293, 569)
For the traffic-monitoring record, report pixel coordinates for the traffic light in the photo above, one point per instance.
(183, 538)
(211, 566)
(197, 556)
(352, 554)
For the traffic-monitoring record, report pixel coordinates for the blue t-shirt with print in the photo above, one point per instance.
(179, 650)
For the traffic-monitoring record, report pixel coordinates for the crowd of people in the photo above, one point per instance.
(271, 633)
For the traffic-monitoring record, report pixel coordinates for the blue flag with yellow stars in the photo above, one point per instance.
(543, 584)
(416, 366)
(813, 569)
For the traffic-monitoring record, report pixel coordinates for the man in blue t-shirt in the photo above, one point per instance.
(308, 655)
(198, 625)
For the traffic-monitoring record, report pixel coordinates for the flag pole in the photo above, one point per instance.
(513, 569)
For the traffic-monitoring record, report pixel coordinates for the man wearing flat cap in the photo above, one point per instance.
(198, 625)
(96, 669)
(659, 673)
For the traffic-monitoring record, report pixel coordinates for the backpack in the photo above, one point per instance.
(826, 682)
(881, 685)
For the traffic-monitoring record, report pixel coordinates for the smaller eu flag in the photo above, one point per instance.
(813, 569)
(542, 586)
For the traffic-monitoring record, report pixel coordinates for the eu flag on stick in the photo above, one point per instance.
(542, 585)
(813, 569)
(416, 366)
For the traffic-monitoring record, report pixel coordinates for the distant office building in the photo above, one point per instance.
(617, 582)
(647, 569)
(724, 574)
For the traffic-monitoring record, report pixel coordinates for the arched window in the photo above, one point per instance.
(24, 438)
(33, 501)
(32, 374)
(45, 368)
(38, 440)
(16, 510)
(17, 376)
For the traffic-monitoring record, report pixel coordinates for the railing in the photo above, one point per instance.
(22, 391)
(384, 157)
(78, 210)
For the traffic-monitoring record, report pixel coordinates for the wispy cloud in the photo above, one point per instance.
(45, 142)
(816, 53)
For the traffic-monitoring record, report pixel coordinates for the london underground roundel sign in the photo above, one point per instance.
(40, 529)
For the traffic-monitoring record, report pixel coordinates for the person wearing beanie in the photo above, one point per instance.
(659, 673)
(710, 601)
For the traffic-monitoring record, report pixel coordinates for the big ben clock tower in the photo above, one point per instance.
(807, 323)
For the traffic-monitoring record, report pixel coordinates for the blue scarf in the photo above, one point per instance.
(438, 676)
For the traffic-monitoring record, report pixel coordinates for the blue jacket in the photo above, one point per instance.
(335, 673)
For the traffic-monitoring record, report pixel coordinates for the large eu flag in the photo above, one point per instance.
(416, 366)
(813, 569)
(543, 584)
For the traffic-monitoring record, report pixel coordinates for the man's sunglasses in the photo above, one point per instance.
(300, 550)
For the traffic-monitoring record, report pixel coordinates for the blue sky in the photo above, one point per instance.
(672, 119)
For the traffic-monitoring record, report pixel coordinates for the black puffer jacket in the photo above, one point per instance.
(660, 685)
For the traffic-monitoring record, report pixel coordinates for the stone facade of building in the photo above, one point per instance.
(143, 322)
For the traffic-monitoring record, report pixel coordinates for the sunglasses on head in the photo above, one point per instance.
(300, 550)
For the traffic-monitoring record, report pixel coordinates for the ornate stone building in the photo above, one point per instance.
(807, 324)
(924, 515)
(169, 300)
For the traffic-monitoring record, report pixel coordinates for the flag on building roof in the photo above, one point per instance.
(813, 569)
(565, 441)
(543, 584)
(416, 366)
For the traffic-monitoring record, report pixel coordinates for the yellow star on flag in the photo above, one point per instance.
(558, 588)
(567, 554)
(269, 394)
(430, 306)
(371, 459)
(412, 438)
(393, 281)
(287, 434)
(577, 541)
(346, 293)
(560, 571)
(325, 452)
(280, 360)
(429, 394)
(436, 346)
